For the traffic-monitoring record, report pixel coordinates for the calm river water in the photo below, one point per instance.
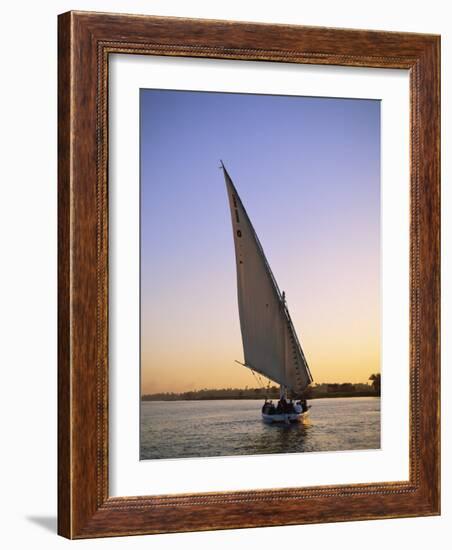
(182, 429)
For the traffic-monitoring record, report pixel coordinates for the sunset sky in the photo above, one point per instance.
(308, 172)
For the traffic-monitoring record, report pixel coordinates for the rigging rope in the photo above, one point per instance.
(261, 383)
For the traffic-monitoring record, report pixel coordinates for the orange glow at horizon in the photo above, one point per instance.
(337, 321)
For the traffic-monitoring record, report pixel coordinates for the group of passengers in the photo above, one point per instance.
(285, 407)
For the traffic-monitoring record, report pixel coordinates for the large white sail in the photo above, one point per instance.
(270, 343)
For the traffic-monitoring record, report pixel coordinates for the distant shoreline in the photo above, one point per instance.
(160, 398)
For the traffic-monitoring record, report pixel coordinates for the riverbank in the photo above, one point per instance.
(258, 394)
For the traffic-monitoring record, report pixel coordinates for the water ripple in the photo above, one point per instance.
(227, 428)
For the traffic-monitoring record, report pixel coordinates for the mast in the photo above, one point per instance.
(282, 388)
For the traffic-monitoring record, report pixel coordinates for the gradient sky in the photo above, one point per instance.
(308, 172)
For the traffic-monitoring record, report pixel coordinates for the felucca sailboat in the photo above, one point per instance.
(270, 343)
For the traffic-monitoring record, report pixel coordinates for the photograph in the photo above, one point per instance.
(259, 274)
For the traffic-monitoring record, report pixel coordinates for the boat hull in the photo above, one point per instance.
(284, 418)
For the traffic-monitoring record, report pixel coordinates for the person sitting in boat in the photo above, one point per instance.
(297, 407)
(283, 406)
(269, 407)
(303, 404)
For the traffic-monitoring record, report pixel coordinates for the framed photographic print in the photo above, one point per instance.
(248, 275)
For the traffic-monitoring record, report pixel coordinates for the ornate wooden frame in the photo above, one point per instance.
(85, 42)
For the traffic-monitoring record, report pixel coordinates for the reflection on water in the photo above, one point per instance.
(182, 429)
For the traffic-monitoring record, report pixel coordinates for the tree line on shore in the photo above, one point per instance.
(272, 392)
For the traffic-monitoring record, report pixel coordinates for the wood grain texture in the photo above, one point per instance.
(64, 295)
(85, 42)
